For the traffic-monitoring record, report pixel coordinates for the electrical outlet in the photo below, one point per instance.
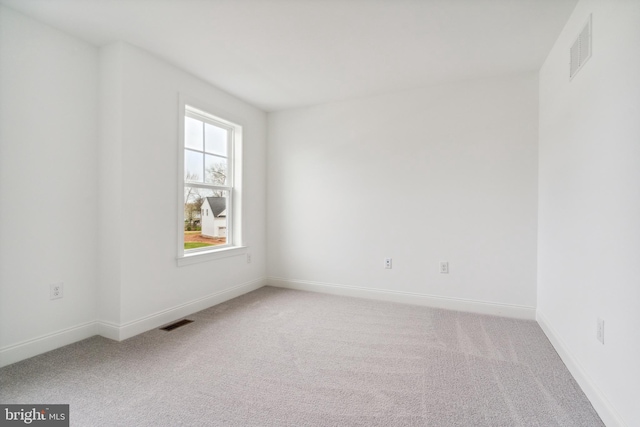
(56, 290)
(248, 258)
(387, 263)
(600, 331)
(444, 267)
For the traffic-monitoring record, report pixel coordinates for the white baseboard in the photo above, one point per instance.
(459, 304)
(144, 324)
(29, 348)
(600, 403)
(108, 330)
(33, 347)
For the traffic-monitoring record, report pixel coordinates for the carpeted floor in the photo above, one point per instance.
(278, 357)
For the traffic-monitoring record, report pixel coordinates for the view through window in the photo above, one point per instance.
(208, 181)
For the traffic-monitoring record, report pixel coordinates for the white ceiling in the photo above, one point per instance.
(279, 54)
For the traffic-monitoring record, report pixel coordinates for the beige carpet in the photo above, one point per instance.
(279, 357)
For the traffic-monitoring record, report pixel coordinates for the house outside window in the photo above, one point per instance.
(210, 158)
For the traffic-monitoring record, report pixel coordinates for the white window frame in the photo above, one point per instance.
(196, 109)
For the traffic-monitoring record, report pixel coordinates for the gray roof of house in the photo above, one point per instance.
(217, 204)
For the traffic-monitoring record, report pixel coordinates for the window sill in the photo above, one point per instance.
(212, 255)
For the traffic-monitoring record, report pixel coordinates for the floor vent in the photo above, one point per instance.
(177, 324)
(580, 51)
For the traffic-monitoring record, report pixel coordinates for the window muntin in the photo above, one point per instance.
(208, 182)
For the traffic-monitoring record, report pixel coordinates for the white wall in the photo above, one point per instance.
(453, 166)
(89, 186)
(589, 207)
(110, 215)
(144, 189)
(48, 181)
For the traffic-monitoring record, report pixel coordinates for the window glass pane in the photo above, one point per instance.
(215, 139)
(205, 217)
(193, 166)
(215, 170)
(193, 133)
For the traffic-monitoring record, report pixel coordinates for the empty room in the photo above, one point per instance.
(320, 213)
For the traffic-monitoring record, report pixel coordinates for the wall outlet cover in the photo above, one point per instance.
(600, 331)
(56, 290)
(444, 267)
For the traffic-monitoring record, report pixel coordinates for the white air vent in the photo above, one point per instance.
(580, 50)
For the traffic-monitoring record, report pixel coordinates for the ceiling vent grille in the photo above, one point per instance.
(580, 51)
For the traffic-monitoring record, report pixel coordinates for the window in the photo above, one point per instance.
(210, 164)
